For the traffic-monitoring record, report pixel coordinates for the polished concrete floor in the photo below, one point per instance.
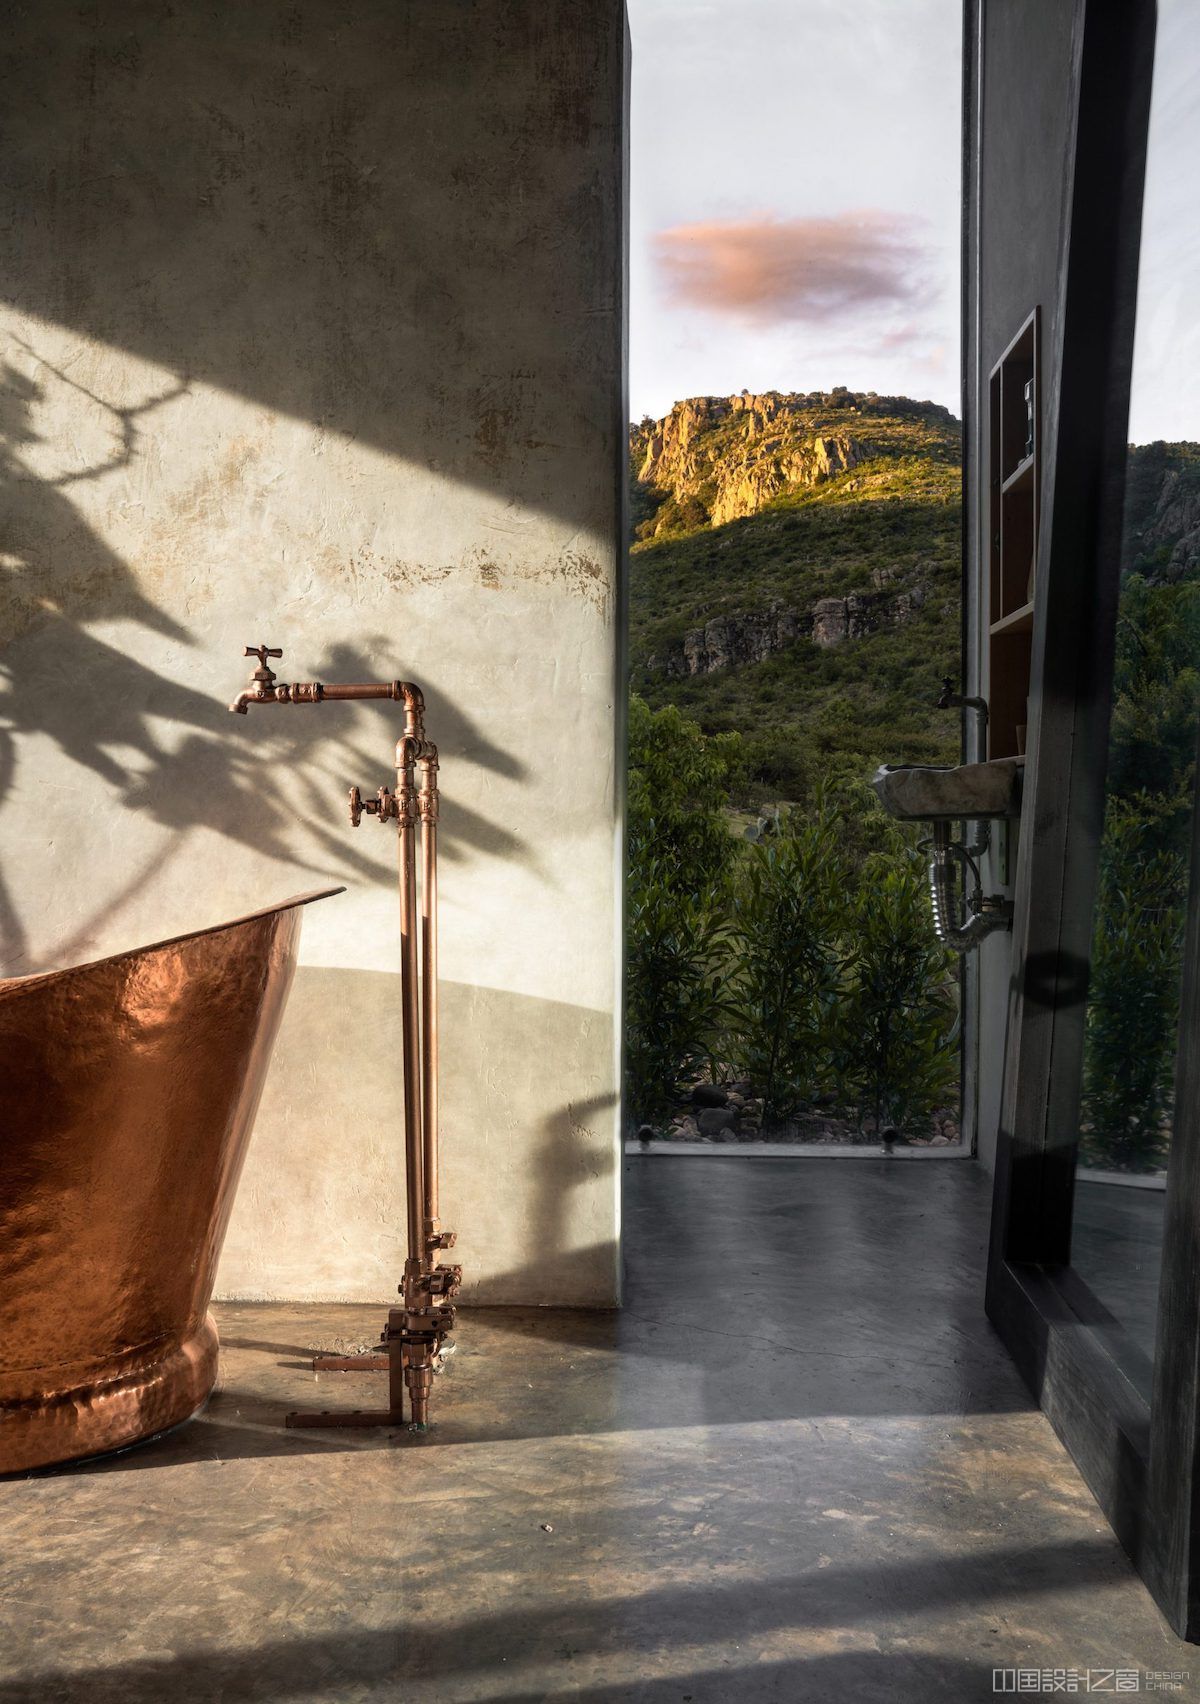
(797, 1467)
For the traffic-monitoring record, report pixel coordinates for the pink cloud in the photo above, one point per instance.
(768, 270)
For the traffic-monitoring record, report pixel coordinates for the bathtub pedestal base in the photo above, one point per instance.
(110, 1410)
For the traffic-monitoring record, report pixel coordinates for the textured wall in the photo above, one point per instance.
(313, 334)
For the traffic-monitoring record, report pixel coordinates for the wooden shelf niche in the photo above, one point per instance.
(1014, 486)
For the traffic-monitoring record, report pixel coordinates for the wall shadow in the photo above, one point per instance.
(526, 1180)
(170, 754)
(174, 756)
(199, 186)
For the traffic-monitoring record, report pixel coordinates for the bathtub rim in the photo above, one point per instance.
(31, 978)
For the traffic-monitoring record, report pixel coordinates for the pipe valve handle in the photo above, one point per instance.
(382, 806)
(262, 652)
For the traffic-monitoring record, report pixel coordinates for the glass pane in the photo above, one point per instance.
(1133, 1002)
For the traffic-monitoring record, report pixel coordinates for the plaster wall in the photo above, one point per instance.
(1021, 139)
(312, 334)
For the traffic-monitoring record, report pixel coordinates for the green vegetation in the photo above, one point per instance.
(893, 524)
(679, 870)
(679, 785)
(786, 922)
(803, 962)
(1133, 1000)
(898, 1046)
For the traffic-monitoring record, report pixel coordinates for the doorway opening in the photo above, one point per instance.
(795, 503)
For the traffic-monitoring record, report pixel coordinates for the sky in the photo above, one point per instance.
(794, 220)
(795, 194)
(1165, 399)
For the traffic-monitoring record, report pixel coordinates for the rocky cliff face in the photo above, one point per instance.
(731, 641)
(728, 641)
(795, 574)
(1174, 529)
(717, 459)
(1162, 510)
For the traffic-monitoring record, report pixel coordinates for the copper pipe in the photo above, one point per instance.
(410, 995)
(414, 1333)
(369, 689)
(427, 799)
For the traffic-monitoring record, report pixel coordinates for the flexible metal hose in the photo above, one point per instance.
(961, 937)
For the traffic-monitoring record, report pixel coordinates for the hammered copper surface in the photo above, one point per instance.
(129, 1091)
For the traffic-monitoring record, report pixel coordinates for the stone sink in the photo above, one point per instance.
(930, 793)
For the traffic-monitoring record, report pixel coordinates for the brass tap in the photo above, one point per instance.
(262, 688)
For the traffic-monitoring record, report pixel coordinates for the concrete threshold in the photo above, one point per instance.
(799, 1150)
(1125, 1180)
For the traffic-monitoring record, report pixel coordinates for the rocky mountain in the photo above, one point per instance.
(716, 459)
(796, 566)
(728, 641)
(737, 473)
(1162, 511)
(795, 576)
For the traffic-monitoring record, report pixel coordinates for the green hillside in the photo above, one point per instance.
(754, 512)
(796, 584)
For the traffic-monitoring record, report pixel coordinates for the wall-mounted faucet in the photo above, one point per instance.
(262, 682)
(949, 699)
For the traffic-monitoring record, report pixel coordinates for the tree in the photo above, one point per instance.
(679, 857)
(679, 782)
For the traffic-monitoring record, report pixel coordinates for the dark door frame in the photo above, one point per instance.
(1137, 1446)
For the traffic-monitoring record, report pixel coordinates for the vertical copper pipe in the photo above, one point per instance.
(428, 801)
(410, 1019)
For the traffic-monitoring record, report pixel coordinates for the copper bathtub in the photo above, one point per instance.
(128, 1089)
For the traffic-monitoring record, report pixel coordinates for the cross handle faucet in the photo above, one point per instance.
(262, 652)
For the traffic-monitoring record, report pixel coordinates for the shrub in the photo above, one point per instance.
(676, 1001)
(806, 960)
(1134, 993)
(895, 1045)
(788, 893)
(679, 856)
